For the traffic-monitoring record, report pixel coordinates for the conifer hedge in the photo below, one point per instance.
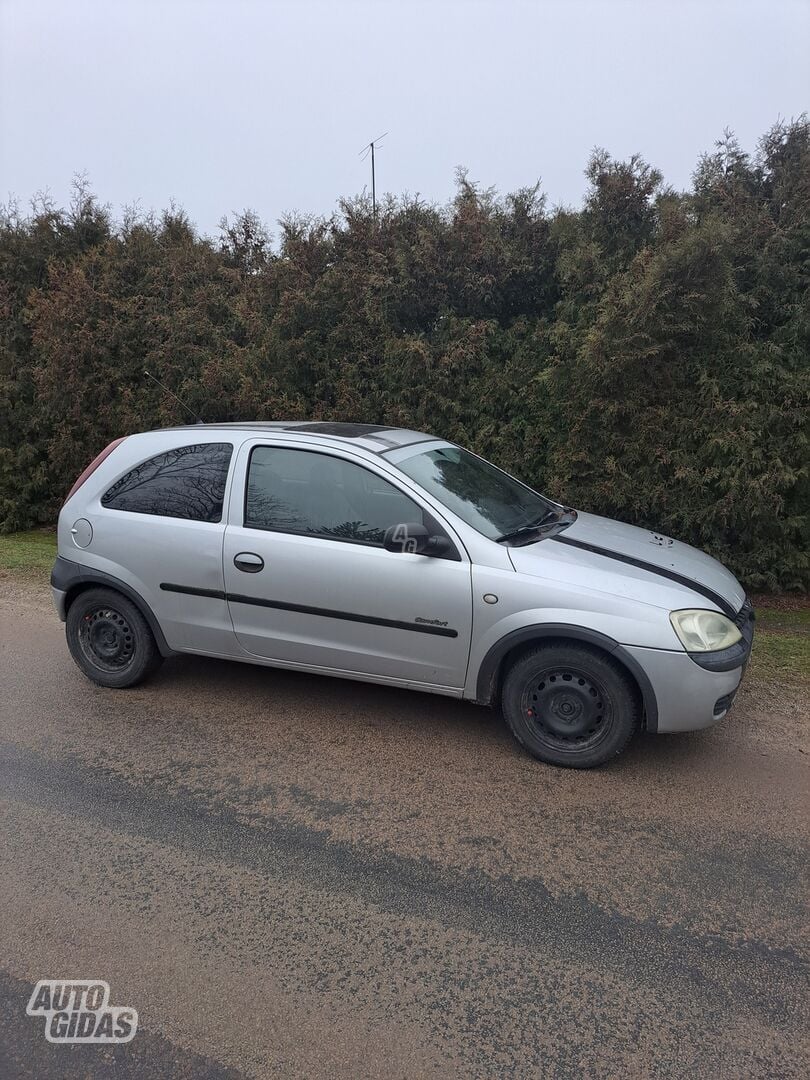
(644, 357)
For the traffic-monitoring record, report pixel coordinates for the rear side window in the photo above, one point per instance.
(188, 482)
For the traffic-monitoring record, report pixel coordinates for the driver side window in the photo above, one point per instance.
(316, 494)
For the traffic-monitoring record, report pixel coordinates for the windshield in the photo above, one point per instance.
(479, 493)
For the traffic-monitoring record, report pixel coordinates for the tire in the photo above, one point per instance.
(110, 640)
(570, 705)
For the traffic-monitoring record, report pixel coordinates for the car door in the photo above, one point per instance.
(309, 583)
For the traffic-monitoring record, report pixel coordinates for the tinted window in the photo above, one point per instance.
(482, 495)
(188, 482)
(304, 492)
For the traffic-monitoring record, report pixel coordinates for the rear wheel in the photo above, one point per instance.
(110, 640)
(570, 705)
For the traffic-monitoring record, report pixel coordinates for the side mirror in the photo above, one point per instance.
(414, 537)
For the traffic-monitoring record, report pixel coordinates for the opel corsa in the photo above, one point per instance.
(394, 557)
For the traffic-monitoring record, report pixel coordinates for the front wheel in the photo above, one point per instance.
(570, 705)
(110, 640)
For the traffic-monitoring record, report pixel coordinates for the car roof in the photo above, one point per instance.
(378, 438)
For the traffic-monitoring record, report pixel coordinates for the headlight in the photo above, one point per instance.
(704, 631)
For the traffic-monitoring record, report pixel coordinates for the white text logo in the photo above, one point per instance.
(79, 1011)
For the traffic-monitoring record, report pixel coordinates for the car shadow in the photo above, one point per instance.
(238, 693)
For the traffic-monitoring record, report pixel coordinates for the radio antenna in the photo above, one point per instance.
(369, 149)
(166, 390)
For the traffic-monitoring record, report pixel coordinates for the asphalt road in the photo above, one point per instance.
(301, 877)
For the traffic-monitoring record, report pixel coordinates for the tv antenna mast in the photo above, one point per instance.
(364, 153)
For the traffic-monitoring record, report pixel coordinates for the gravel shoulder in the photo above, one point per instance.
(298, 876)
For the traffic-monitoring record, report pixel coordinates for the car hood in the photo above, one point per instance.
(657, 554)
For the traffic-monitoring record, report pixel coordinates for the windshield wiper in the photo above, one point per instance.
(532, 526)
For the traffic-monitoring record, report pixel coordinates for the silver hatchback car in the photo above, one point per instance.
(395, 557)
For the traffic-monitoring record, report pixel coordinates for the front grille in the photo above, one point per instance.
(745, 614)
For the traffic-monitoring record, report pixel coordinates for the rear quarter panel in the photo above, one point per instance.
(144, 550)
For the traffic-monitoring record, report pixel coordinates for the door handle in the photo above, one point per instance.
(249, 562)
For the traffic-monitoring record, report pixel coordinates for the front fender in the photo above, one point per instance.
(485, 680)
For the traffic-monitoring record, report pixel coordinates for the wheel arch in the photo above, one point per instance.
(72, 580)
(502, 652)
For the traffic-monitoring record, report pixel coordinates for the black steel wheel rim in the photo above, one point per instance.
(106, 639)
(567, 709)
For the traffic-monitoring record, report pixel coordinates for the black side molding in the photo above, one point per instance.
(661, 571)
(304, 609)
(486, 685)
(189, 590)
(70, 577)
(348, 616)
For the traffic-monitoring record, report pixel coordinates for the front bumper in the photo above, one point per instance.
(689, 697)
(695, 690)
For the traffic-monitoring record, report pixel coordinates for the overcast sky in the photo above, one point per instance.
(225, 104)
